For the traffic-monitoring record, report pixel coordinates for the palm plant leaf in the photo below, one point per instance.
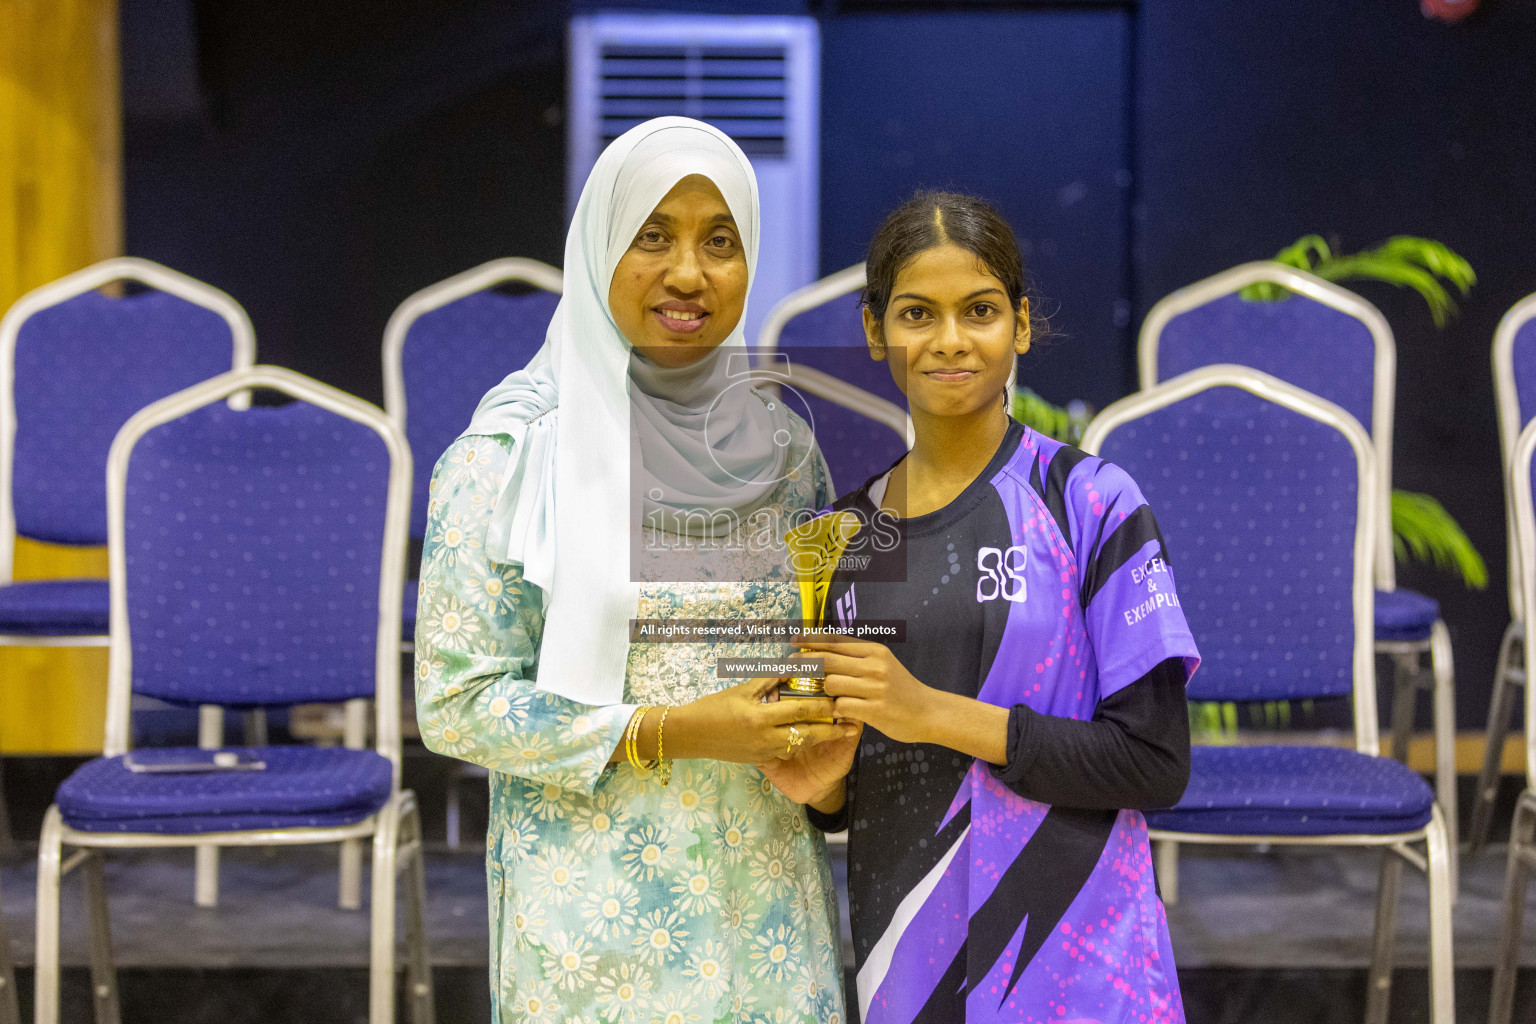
(1433, 256)
(1370, 266)
(1405, 261)
(1063, 423)
(1305, 253)
(1423, 531)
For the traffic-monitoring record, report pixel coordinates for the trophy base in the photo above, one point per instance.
(796, 690)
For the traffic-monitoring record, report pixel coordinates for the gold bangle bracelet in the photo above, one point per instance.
(632, 736)
(664, 767)
(632, 739)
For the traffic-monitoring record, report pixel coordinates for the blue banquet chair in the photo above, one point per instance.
(256, 560)
(1522, 832)
(444, 348)
(77, 363)
(1332, 343)
(1514, 388)
(812, 348)
(1267, 497)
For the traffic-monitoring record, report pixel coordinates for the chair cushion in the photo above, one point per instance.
(1297, 791)
(301, 787)
(54, 608)
(1403, 615)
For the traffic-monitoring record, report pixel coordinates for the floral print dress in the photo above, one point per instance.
(612, 898)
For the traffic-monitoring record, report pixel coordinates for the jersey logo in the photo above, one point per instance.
(847, 607)
(1002, 573)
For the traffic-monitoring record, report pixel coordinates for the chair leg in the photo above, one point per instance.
(1405, 696)
(1443, 668)
(1378, 994)
(451, 813)
(381, 959)
(418, 975)
(1500, 708)
(1517, 877)
(1442, 963)
(205, 872)
(205, 876)
(8, 851)
(103, 974)
(1167, 854)
(10, 1009)
(349, 895)
(45, 988)
(255, 727)
(350, 871)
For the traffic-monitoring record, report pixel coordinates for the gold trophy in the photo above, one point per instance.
(814, 548)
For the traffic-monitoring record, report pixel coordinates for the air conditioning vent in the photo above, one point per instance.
(739, 89)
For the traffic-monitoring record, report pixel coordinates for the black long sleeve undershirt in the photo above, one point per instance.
(1133, 753)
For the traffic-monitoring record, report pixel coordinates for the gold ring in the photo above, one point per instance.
(795, 739)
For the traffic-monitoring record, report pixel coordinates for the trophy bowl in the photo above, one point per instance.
(802, 686)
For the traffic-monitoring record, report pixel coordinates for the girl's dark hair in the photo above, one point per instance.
(931, 219)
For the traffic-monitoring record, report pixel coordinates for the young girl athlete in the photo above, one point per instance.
(998, 862)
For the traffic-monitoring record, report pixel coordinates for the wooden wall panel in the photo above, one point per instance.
(60, 210)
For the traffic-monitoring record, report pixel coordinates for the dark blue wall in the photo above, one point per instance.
(1258, 123)
(1026, 108)
(322, 161)
(337, 157)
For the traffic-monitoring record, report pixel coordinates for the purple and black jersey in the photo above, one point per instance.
(1022, 892)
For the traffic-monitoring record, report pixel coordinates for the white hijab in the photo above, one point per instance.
(568, 508)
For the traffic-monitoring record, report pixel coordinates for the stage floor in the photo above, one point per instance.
(1281, 937)
(1287, 908)
(1285, 934)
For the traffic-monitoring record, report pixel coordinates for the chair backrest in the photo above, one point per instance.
(1324, 339)
(257, 556)
(1519, 484)
(449, 344)
(75, 364)
(1514, 388)
(1265, 496)
(816, 335)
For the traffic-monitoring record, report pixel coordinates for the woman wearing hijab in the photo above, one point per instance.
(640, 867)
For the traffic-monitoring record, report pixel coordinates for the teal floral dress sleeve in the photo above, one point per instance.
(477, 642)
(821, 481)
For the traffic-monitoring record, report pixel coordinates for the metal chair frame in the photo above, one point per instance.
(395, 829)
(1409, 675)
(1509, 670)
(1522, 833)
(122, 268)
(396, 332)
(824, 385)
(243, 340)
(1435, 860)
(436, 296)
